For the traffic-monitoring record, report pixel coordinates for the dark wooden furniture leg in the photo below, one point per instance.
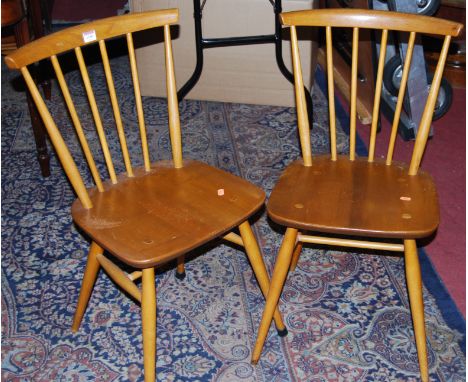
(22, 36)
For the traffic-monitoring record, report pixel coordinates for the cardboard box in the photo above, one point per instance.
(241, 74)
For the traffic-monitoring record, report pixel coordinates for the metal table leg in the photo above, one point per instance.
(203, 43)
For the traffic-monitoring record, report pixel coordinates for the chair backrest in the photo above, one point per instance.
(75, 38)
(357, 19)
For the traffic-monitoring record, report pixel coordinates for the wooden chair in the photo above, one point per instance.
(15, 33)
(363, 197)
(151, 214)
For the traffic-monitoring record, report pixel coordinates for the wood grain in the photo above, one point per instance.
(154, 217)
(355, 198)
(71, 38)
(359, 18)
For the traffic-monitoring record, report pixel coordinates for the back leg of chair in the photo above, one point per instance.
(148, 323)
(180, 272)
(414, 284)
(89, 278)
(295, 256)
(260, 271)
(277, 282)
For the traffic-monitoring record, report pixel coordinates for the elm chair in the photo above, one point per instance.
(151, 214)
(351, 196)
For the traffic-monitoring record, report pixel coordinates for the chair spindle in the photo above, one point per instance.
(96, 116)
(115, 107)
(302, 117)
(77, 123)
(378, 92)
(331, 93)
(353, 114)
(62, 150)
(401, 96)
(425, 124)
(172, 104)
(139, 105)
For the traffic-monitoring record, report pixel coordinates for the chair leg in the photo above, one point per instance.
(295, 256)
(180, 272)
(280, 272)
(89, 278)
(258, 266)
(414, 284)
(148, 321)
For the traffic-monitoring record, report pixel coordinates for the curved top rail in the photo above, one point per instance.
(363, 18)
(84, 34)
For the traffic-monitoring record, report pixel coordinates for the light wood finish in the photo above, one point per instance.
(280, 272)
(352, 196)
(89, 278)
(302, 120)
(148, 322)
(60, 147)
(331, 90)
(172, 104)
(355, 198)
(351, 18)
(119, 277)
(258, 266)
(110, 27)
(138, 102)
(353, 97)
(378, 92)
(115, 107)
(401, 96)
(414, 283)
(342, 78)
(296, 254)
(96, 115)
(77, 123)
(425, 124)
(234, 238)
(148, 215)
(135, 275)
(350, 243)
(181, 265)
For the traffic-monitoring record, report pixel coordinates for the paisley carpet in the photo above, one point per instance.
(347, 312)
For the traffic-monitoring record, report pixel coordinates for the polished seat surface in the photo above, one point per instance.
(156, 216)
(355, 198)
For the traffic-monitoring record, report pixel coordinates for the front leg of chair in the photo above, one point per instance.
(180, 272)
(89, 278)
(295, 256)
(277, 282)
(258, 266)
(148, 321)
(414, 283)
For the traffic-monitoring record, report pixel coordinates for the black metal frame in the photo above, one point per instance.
(204, 43)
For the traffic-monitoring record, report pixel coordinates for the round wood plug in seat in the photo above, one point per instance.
(355, 198)
(156, 216)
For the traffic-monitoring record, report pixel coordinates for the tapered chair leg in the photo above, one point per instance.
(148, 321)
(414, 284)
(180, 272)
(258, 265)
(295, 256)
(89, 278)
(280, 272)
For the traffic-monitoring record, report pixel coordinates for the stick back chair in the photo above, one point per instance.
(151, 214)
(357, 196)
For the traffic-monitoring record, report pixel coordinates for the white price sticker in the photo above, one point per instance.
(89, 36)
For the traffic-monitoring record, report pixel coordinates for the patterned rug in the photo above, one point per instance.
(347, 312)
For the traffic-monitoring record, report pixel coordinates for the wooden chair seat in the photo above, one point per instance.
(355, 198)
(154, 217)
